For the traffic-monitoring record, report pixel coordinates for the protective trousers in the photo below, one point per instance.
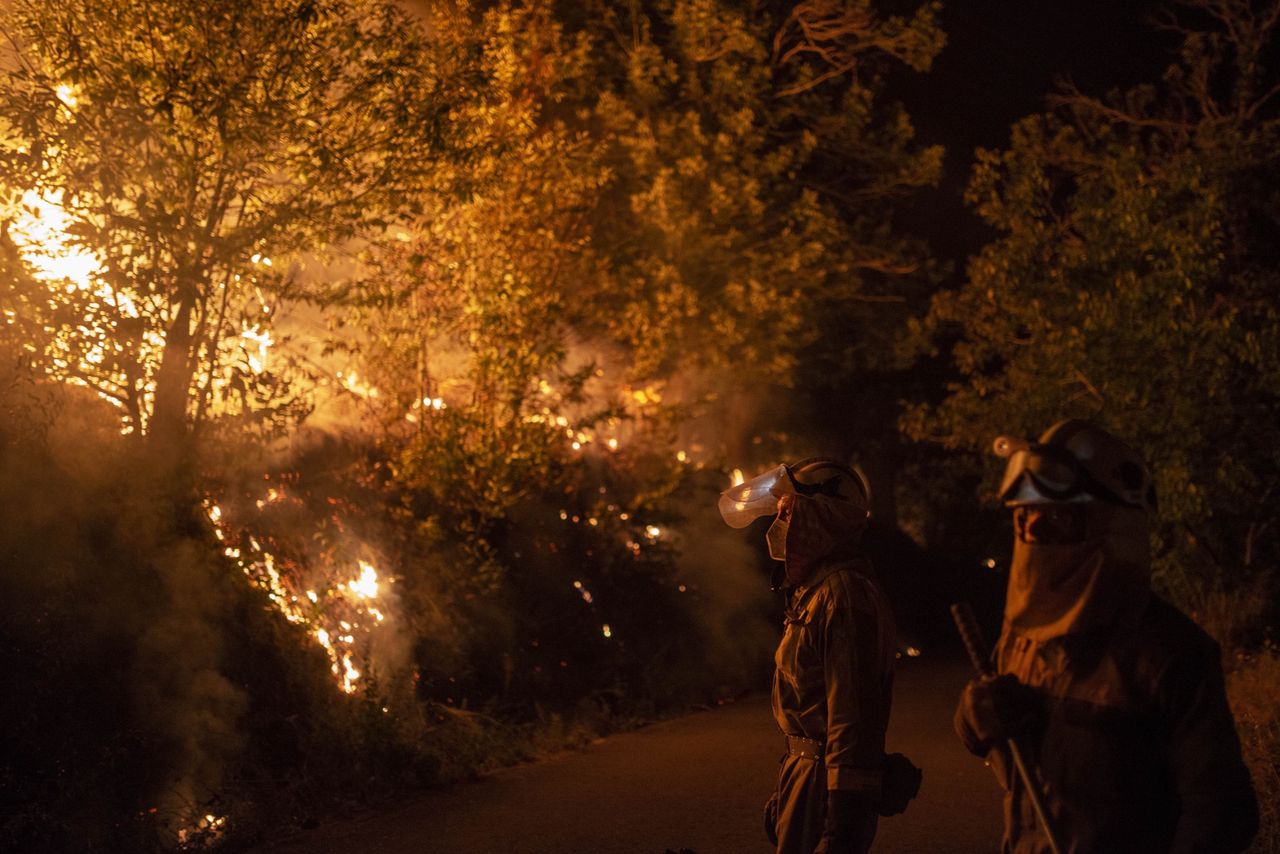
(797, 813)
(801, 804)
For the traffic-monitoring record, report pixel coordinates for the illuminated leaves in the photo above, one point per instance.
(182, 144)
(750, 195)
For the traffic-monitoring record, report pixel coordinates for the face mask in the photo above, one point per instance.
(777, 539)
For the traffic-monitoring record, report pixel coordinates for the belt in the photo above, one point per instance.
(809, 748)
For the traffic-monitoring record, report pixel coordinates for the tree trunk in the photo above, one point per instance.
(168, 430)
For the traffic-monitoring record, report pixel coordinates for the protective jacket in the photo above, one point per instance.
(1136, 749)
(831, 696)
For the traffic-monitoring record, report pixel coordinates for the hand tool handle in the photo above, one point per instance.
(976, 646)
(971, 634)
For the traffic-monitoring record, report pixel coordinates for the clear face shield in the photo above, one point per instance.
(743, 503)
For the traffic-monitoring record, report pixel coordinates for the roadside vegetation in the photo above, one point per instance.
(367, 378)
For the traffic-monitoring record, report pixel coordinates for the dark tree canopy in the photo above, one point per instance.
(1133, 282)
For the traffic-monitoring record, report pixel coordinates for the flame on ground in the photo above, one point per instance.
(332, 617)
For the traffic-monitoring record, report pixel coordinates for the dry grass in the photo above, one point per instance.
(1253, 686)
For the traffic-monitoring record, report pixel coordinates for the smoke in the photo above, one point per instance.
(721, 568)
(180, 690)
(114, 613)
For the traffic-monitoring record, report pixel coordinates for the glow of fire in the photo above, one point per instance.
(259, 566)
(349, 673)
(366, 586)
(647, 395)
(352, 383)
(40, 233)
(39, 226)
(263, 342)
(208, 829)
(67, 95)
(737, 477)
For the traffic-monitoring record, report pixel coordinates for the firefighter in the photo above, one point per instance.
(834, 665)
(1115, 697)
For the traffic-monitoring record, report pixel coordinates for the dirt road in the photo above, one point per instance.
(696, 783)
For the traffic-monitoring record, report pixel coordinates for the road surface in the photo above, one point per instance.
(696, 783)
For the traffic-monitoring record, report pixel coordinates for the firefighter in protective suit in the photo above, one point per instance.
(834, 667)
(1115, 697)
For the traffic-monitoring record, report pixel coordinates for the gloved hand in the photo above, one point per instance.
(851, 823)
(771, 819)
(993, 709)
(900, 782)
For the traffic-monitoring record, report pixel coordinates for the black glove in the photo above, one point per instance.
(995, 708)
(899, 783)
(771, 819)
(851, 823)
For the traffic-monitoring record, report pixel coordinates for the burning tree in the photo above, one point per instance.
(160, 160)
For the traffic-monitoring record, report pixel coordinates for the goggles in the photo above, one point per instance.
(743, 503)
(1039, 474)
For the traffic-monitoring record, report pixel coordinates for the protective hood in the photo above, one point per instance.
(821, 529)
(1104, 580)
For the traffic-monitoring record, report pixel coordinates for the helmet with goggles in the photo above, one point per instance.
(743, 503)
(1074, 461)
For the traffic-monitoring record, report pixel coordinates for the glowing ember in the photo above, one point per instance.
(349, 673)
(606, 631)
(205, 832)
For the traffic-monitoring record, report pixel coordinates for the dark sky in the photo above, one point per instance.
(1002, 58)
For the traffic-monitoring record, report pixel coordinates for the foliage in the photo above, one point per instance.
(755, 172)
(1132, 283)
(667, 195)
(574, 225)
(159, 160)
(463, 321)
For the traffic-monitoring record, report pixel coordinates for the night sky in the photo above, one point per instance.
(1001, 59)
